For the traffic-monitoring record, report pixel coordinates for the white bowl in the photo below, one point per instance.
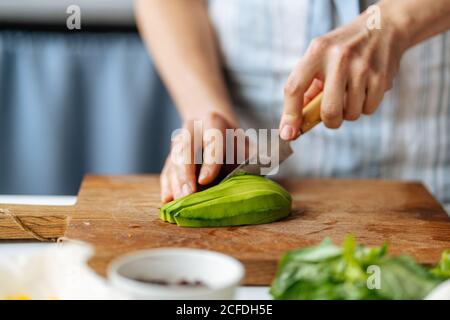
(441, 292)
(221, 274)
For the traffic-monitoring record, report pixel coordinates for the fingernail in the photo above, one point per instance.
(204, 173)
(165, 197)
(287, 132)
(186, 190)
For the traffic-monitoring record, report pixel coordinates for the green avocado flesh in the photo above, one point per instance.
(240, 200)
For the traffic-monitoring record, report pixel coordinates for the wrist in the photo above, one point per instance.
(399, 18)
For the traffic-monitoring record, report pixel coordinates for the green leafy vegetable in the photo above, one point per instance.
(443, 268)
(354, 272)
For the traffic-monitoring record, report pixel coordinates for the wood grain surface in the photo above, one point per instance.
(42, 223)
(120, 214)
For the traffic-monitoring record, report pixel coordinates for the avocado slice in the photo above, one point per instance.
(241, 200)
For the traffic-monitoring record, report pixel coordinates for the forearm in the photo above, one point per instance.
(418, 20)
(183, 47)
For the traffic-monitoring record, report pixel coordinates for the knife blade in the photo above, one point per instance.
(256, 163)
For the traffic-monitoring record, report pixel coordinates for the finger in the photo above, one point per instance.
(375, 93)
(213, 150)
(181, 171)
(298, 82)
(333, 97)
(314, 89)
(166, 192)
(175, 185)
(208, 172)
(356, 95)
(182, 180)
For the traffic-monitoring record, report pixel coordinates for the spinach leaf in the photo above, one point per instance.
(353, 272)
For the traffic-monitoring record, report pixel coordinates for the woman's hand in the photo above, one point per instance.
(181, 38)
(179, 176)
(354, 66)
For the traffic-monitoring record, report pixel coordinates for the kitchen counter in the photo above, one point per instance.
(13, 247)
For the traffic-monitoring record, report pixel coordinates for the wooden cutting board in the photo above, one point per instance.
(120, 214)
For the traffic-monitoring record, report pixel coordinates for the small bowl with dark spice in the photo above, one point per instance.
(176, 274)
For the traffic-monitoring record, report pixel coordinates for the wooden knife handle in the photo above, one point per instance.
(311, 114)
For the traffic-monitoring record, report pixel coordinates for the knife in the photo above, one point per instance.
(254, 165)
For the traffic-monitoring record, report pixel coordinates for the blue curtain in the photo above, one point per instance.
(77, 103)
